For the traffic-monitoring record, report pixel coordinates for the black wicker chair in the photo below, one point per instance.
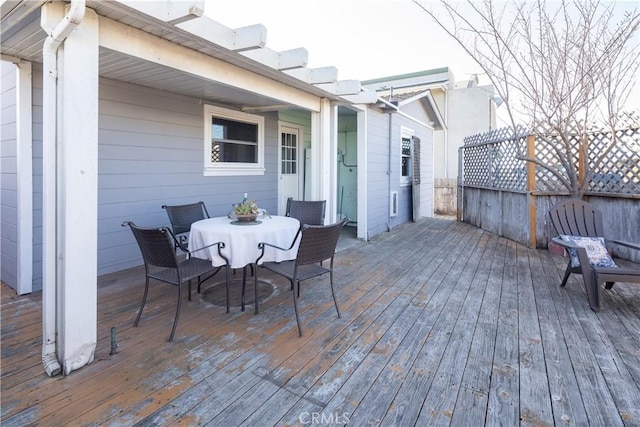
(317, 243)
(306, 211)
(182, 216)
(576, 218)
(161, 263)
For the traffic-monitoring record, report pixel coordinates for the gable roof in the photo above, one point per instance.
(436, 76)
(405, 89)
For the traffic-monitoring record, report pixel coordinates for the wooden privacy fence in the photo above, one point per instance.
(501, 192)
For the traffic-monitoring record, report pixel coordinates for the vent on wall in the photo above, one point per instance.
(394, 203)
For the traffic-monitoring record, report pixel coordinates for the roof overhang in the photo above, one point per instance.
(257, 78)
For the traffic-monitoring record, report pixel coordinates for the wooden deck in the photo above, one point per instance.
(442, 324)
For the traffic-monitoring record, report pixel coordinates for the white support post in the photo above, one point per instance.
(24, 151)
(324, 151)
(362, 173)
(77, 200)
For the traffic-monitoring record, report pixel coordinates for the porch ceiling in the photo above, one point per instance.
(117, 66)
(23, 38)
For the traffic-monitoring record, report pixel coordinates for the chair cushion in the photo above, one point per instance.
(596, 251)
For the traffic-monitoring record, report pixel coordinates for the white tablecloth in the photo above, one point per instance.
(241, 241)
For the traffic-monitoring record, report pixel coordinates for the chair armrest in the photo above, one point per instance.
(564, 243)
(220, 247)
(262, 245)
(624, 243)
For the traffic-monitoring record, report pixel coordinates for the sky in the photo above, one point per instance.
(363, 39)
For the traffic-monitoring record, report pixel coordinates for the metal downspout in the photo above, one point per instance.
(393, 109)
(389, 172)
(50, 138)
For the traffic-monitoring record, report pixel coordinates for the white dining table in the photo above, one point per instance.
(241, 239)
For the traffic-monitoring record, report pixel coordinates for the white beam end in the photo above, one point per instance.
(170, 11)
(285, 60)
(364, 97)
(250, 37)
(342, 87)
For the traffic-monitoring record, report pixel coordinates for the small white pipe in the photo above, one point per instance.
(72, 19)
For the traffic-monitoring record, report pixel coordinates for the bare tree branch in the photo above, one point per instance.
(560, 67)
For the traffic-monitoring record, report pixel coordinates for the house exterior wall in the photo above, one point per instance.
(151, 154)
(384, 135)
(378, 181)
(426, 136)
(9, 174)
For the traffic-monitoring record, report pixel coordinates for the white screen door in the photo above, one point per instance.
(290, 172)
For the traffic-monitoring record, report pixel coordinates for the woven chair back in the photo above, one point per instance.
(318, 242)
(182, 216)
(156, 246)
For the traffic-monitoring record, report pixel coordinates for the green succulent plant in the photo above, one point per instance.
(246, 208)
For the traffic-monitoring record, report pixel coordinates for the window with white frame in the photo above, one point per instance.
(233, 142)
(405, 156)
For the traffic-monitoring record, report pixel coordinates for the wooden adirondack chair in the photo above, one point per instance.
(580, 231)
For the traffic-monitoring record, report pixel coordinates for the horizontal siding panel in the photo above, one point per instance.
(9, 134)
(9, 211)
(174, 154)
(139, 167)
(121, 138)
(150, 127)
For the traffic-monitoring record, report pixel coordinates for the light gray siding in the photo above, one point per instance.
(379, 184)
(384, 136)
(151, 154)
(9, 182)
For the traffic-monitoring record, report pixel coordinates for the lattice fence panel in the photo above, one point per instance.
(620, 170)
(509, 172)
(476, 165)
(491, 159)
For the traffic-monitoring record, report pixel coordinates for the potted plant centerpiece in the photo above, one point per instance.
(246, 211)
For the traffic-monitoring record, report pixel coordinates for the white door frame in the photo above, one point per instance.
(300, 160)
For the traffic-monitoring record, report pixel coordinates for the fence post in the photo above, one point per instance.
(531, 187)
(460, 188)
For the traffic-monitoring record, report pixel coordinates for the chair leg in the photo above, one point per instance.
(200, 282)
(295, 308)
(189, 297)
(567, 273)
(592, 288)
(144, 301)
(335, 301)
(175, 320)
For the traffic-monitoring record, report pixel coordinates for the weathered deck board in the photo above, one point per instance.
(442, 324)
